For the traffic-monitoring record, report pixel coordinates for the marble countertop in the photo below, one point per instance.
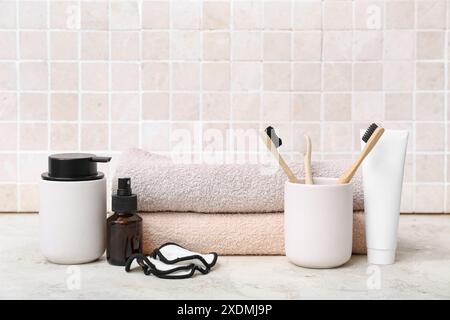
(422, 271)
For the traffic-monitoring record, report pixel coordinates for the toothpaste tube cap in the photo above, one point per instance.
(377, 256)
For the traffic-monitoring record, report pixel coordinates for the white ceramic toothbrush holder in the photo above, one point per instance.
(318, 223)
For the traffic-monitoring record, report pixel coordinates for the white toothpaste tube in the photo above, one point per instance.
(383, 178)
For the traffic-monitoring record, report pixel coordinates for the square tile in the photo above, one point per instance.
(125, 45)
(155, 76)
(94, 107)
(185, 14)
(8, 106)
(33, 45)
(125, 107)
(307, 76)
(368, 45)
(246, 45)
(337, 15)
(94, 76)
(369, 14)
(8, 14)
(429, 198)
(430, 45)
(64, 107)
(338, 137)
(430, 76)
(185, 106)
(307, 45)
(368, 106)
(8, 167)
(33, 106)
(8, 136)
(31, 165)
(429, 106)
(245, 106)
(155, 14)
(216, 106)
(367, 76)
(33, 14)
(277, 46)
(33, 136)
(64, 76)
(7, 45)
(64, 45)
(64, 137)
(155, 106)
(64, 14)
(246, 76)
(124, 136)
(156, 137)
(124, 15)
(430, 168)
(155, 45)
(430, 136)
(398, 106)
(337, 45)
(247, 15)
(310, 129)
(307, 15)
(185, 45)
(306, 107)
(277, 76)
(398, 76)
(277, 15)
(94, 45)
(276, 107)
(125, 76)
(33, 76)
(216, 46)
(186, 76)
(94, 15)
(399, 14)
(216, 15)
(337, 76)
(216, 76)
(337, 107)
(431, 14)
(94, 136)
(399, 44)
(8, 79)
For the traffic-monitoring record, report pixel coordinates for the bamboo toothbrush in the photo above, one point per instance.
(371, 137)
(307, 161)
(272, 142)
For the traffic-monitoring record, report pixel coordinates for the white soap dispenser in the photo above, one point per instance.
(73, 208)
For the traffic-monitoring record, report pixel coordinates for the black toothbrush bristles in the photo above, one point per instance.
(270, 131)
(370, 130)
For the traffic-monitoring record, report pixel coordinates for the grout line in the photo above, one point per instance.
(18, 116)
(80, 92)
(446, 101)
(414, 127)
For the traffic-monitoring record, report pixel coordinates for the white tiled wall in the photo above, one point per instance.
(102, 76)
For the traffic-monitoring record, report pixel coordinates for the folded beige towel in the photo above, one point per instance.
(257, 234)
(164, 186)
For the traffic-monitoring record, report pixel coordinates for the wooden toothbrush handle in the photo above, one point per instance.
(269, 144)
(307, 161)
(347, 176)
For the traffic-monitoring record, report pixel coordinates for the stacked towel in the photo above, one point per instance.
(162, 185)
(232, 209)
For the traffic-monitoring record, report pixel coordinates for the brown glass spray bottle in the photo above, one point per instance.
(124, 227)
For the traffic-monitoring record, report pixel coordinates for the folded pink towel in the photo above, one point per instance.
(258, 233)
(164, 186)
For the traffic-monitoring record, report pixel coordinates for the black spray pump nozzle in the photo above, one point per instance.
(101, 159)
(124, 200)
(270, 131)
(124, 187)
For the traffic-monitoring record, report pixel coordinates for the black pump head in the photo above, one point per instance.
(124, 200)
(124, 187)
(270, 131)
